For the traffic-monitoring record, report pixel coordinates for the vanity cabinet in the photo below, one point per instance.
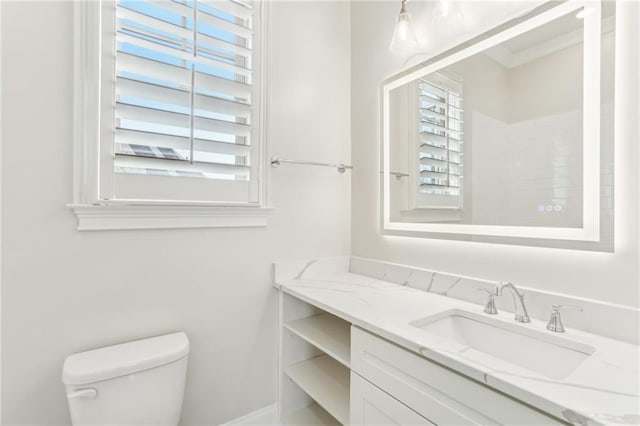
(332, 372)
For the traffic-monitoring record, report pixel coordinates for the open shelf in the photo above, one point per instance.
(328, 333)
(326, 381)
(313, 415)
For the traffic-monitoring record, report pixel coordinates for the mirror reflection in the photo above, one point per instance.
(497, 138)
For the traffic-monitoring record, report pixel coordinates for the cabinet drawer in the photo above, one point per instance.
(372, 407)
(435, 392)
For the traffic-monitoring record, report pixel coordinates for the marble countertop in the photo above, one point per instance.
(604, 389)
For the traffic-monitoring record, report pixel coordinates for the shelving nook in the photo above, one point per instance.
(314, 365)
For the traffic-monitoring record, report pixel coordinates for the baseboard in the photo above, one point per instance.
(266, 416)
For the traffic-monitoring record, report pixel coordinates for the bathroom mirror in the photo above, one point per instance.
(508, 137)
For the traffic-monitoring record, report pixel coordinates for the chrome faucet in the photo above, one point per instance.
(518, 300)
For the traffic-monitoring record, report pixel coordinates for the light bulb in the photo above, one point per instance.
(404, 36)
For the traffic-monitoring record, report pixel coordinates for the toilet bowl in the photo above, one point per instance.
(134, 383)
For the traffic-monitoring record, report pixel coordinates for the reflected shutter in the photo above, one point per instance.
(440, 141)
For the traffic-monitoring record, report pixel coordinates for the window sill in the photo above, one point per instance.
(121, 217)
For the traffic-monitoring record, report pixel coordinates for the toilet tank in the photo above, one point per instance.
(135, 383)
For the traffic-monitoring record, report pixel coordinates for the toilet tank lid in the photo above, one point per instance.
(123, 359)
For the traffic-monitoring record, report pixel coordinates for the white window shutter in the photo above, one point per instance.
(185, 91)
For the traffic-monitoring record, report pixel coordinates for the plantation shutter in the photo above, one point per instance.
(185, 96)
(440, 142)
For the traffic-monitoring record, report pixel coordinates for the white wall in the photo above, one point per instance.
(66, 291)
(610, 277)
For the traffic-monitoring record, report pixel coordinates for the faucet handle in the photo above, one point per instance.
(488, 291)
(490, 306)
(555, 322)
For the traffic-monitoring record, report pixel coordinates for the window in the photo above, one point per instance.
(174, 91)
(439, 153)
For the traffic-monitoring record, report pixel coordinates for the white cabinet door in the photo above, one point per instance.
(370, 406)
(435, 392)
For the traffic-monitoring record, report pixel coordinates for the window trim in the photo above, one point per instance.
(114, 217)
(96, 214)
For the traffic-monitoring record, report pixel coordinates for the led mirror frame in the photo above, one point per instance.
(591, 131)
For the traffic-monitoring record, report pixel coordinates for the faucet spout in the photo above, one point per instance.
(518, 300)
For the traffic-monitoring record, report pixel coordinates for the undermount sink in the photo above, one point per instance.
(552, 356)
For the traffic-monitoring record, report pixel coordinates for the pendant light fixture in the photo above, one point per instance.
(404, 36)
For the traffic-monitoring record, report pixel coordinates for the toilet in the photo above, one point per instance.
(134, 383)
